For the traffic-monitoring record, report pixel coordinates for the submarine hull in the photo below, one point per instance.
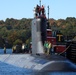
(39, 63)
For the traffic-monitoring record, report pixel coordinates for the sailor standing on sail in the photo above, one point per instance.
(42, 10)
(38, 10)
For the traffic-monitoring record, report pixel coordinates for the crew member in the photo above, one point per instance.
(46, 46)
(42, 9)
(38, 10)
(4, 49)
(49, 47)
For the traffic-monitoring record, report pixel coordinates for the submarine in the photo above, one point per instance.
(38, 60)
(42, 61)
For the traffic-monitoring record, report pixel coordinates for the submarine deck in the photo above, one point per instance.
(23, 64)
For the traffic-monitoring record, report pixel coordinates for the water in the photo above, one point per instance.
(8, 51)
(55, 73)
(63, 73)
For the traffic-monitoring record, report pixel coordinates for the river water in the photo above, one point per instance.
(8, 51)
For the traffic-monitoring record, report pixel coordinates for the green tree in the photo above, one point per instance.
(12, 37)
(17, 42)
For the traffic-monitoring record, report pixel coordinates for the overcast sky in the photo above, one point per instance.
(18, 9)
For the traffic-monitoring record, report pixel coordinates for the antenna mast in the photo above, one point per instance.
(48, 12)
(40, 3)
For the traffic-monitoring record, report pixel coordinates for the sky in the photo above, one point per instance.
(18, 9)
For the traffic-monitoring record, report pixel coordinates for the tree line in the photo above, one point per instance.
(14, 31)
